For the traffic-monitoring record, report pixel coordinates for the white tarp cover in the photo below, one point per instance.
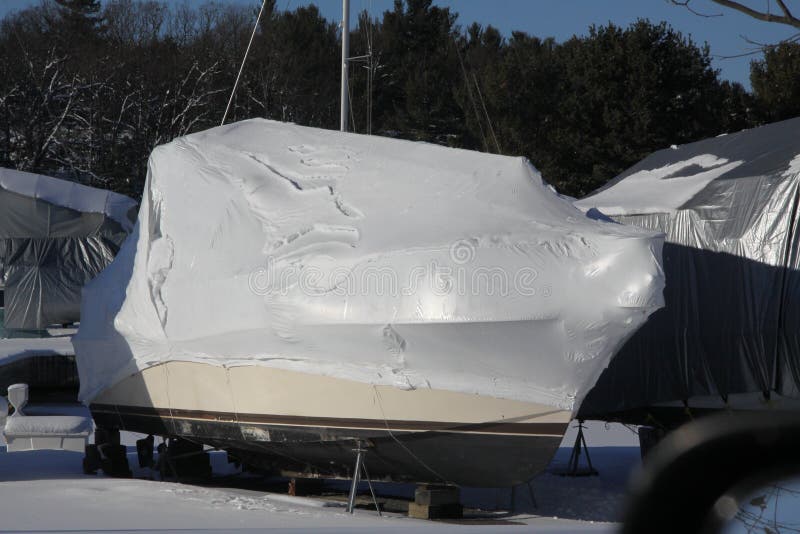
(70, 195)
(367, 258)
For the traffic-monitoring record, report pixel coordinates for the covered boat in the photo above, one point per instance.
(55, 236)
(729, 335)
(289, 292)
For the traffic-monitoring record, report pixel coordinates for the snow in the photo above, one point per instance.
(660, 190)
(28, 425)
(794, 167)
(70, 195)
(366, 258)
(46, 491)
(20, 348)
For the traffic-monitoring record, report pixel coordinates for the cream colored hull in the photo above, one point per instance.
(314, 421)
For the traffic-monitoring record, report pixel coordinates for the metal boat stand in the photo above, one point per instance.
(360, 465)
(573, 469)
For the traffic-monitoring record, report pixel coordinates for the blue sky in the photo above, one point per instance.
(564, 18)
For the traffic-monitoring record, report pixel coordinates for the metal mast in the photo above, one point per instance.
(345, 98)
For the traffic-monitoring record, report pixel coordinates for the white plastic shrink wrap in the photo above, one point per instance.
(367, 258)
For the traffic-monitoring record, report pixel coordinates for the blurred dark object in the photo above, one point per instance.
(696, 477)
(649, 437)
(50, 378)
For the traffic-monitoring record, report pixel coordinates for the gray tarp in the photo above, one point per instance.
(732, 318)
(44, 277)
(49, 247)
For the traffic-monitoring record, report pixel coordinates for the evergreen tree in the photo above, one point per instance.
(624, 93)
(413, 97)
(481, 78)
(87, 91)
(776, 82)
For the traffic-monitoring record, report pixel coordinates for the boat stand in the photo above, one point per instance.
(573, 469)
(183, 459)
(108, 454)
(360, 465)
(529, 485)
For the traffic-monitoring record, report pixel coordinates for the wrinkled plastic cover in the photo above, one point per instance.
(54, 237)
(72, 195)
(366, 258)
(44, 278)
(27, 217)
(728, 206)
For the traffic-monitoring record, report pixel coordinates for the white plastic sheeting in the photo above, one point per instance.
(70, 195)
(366, 258)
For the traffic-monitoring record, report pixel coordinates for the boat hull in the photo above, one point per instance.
(295, 423)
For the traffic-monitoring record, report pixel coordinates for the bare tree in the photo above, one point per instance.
(781, 15)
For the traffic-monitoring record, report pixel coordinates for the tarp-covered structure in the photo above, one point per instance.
(55, 236)
(368, 259)
(729, 334)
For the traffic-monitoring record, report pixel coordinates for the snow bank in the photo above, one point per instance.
(661, 190)
(373, 259)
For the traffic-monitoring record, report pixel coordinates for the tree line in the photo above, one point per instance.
(87, 90)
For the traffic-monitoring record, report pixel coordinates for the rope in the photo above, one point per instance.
(244, 59)
(488, 119)
(365, 30)
(391, 434)
(233, 401)
(350, 102)
(169, 399)
(471, 96)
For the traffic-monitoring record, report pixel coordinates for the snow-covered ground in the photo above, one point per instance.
(45, 491)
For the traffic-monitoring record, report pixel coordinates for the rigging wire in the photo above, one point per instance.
(365, 30)
(486, 113)
(474, 103)
(244, 59)
(471, 96)
(367, 60)
(350, 107)
(370, 67)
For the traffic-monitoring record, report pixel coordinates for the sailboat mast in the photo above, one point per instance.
(345, 97)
